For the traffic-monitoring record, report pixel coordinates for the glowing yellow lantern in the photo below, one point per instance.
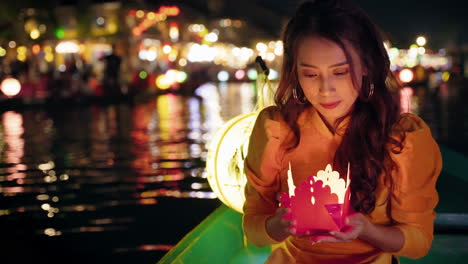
(10, 87)
(225, 160)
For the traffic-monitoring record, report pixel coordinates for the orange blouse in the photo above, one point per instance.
(411, 202)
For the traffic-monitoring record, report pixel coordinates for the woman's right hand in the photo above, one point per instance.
(279, 228)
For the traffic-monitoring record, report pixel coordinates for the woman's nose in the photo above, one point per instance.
(326, 86)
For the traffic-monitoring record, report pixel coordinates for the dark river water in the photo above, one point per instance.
(124, 182)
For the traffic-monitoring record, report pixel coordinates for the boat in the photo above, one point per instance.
(220, 239)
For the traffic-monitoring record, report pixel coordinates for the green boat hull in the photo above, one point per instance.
(220, 238)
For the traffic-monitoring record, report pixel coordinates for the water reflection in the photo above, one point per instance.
(110, 179)
(121, 182)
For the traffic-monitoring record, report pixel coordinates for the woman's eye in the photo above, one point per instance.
(341, 72)
(310, 75)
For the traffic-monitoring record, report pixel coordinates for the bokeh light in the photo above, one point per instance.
(10, 87)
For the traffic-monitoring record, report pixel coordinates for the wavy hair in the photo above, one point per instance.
(367, 141)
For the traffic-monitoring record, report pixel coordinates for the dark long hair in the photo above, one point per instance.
(367, 141)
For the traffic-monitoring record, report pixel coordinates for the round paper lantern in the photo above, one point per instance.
(10, 86)
(225, 160)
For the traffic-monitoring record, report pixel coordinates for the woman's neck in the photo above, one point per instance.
(330, 124)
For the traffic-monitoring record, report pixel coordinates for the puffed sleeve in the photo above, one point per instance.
(414, 194)
(262, 167)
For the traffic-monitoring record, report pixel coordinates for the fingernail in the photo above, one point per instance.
(293, 230)
(332, 233)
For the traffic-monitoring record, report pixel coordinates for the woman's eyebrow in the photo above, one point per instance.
(331, 66)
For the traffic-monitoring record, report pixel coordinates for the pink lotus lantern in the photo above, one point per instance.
(320, 204)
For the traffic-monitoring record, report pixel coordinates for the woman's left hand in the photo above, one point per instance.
(356, 224)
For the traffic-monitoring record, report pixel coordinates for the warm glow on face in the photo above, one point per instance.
(325, 77)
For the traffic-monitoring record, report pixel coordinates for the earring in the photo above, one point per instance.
(296, 98)
(371, 90)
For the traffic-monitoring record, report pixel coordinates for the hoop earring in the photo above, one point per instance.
(296, 98)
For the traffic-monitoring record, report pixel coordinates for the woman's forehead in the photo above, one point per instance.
(315, 50)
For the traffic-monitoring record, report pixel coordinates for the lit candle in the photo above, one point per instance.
(291, 186)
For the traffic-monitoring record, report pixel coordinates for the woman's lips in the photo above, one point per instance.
(330, 105)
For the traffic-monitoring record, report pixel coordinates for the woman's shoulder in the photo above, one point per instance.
(413, 133)
(271, 112)
(272, 122)
(410, 123)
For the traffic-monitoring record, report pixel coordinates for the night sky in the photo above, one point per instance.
(444, 23)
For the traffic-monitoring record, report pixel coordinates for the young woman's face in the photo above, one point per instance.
(325, 77)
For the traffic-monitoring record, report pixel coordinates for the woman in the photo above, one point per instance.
(335, 105)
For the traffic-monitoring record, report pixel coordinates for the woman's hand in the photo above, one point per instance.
(356, 225)
(279, 228)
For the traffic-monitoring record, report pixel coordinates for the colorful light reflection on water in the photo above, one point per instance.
(118, 183)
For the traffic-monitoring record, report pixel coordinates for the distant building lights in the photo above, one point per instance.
(36, 49)
(172, 56)
(252, 74)
(136, 32)
(278, 50)
(162, 82)
(35, 34)
(167, 49)
(151, 15)
(181, 76)
(151, 55)
(240, 74)
(261, 47)
(273, 75)
(421, 41)
(59, 33)
(142, 75)
(201, 53)
(169, 10)
(270, 56)
(10, 87)
(174, 32)
(223, 76)
(406, 75)
(182, 62)
(67, 47)
(211, 37)
(421, 50)
(12, 44)
(49, 57)
(42, 28)
(100, 21)
(140, 14)
(445, 76)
